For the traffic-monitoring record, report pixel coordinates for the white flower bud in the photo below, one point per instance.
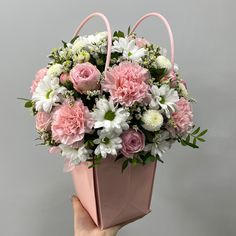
(163, 63)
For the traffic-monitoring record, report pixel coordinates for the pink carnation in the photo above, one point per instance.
(85, 77)
(71, 122)
(43, 121)
(127, 83)
(38, 77)
(141, 42)
(183, 117)
(132, 142)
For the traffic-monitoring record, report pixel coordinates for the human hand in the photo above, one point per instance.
(84, 225)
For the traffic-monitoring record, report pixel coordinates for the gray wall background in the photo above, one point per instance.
(194, 191)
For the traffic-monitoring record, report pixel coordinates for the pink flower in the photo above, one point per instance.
(141, 42)
(85, 77)
(132, 142)
(127, 83)
(43, 121)
(64, 77)
(183, 117)
(38, 77)
(71, 122)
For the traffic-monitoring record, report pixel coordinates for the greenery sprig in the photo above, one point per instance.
(192, 138)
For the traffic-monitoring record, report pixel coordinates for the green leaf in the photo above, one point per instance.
(129, 30)
(92, 166)
(133, 162)
(89, 144)
(201, 140)
(118, 157)
(69, 85)
(24, 99)
(73, 40)
(203, 132)
(125, 164)
(183, 142)
(192, 145)
(119, 34)
(187, 139)
(196, 131)
(64, 44)
(159, 159)
(194, 141)
(29, 104)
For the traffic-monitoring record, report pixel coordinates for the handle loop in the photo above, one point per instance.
(164, 20)
(109, 37)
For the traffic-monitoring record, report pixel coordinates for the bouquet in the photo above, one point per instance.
(112, 97)
(134, 110)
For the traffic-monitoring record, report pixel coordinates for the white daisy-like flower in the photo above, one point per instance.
(152, 120)
(108, 143)
(88, 41)
(128, 49)
(160, 144)
(164, 97)
(109, 117)
(97, 38)
(55, 70)
(47, 94)
(74, 155)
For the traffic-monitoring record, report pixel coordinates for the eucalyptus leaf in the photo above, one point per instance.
(203, 132)
(125, 164)
(196, 131)
(201, 140)
(29, 104)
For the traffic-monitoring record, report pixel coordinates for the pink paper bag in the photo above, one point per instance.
(112, 197)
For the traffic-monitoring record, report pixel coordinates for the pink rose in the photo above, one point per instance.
(85, 77)
(127, 83)
(132, 142)
(71, 122)
(43, 121)
(141, 42)
(64, 77)
(183, 117)
(38, 77)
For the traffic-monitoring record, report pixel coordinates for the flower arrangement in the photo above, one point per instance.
(134, 110)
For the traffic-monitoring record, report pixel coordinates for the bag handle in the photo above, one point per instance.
(109, 43)
(167, 25)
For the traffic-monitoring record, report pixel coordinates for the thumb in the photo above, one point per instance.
(82, 219)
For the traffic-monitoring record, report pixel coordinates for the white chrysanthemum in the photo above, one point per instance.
(152, 120)
(55, 70)
(163, 63)
(47, 94)
(110, 118)
(75, 156)
(88, 41)
(164, 97)
(160, 144)
(129, 49)
(97, 38)
(108, 143)
(78, 45)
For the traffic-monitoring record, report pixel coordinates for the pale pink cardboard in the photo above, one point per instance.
(112, 197)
